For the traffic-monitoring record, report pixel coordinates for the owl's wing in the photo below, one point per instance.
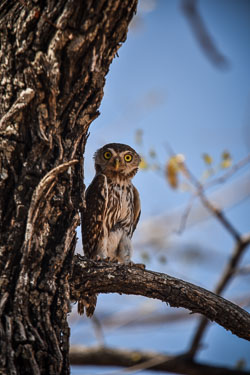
(137, 207)
(93, 216)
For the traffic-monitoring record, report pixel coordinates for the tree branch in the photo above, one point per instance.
(202, 35)
(102, 356)
(229, 271)
(105, 277)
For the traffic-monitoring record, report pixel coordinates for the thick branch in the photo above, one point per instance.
(147, 360)
(103, 277)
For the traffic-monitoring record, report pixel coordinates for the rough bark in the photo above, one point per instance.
(104, 277)
(146, 360)
(54, 56)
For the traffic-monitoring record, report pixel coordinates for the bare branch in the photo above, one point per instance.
(202, 35)
(104, 277)
(223, 282)
(102, 356)
(228, 174)
(210, 206)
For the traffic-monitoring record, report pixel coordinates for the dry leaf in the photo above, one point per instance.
(207, 159)
(226, 160)
(143, 164)
(173, 167)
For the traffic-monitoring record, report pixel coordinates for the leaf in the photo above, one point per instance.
(145, 256)
(143, 164)
(138, 136)
(136, 357)
(207, 159)
(173, 167)
(162, 259)
(226, 160)
(152, 153)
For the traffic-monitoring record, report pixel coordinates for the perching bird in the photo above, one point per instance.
(112, 209)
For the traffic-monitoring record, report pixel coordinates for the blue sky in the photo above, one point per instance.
(163, 84)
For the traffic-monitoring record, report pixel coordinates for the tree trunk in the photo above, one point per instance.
(54, 56)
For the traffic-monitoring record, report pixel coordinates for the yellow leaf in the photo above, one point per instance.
(143, 164)
(136, 357)
(172, 175)
(226, 155)
(174, 165)
(207, 159)
(226, 160)
(226, 163)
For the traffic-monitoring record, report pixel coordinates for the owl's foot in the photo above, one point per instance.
(137, 265)
(114, 260)
(107, 259)
(140, 265)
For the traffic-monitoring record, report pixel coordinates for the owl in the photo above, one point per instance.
(112, 209)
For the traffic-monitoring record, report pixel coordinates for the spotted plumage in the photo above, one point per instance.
(112, 209)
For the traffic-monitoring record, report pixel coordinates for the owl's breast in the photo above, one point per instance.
(120, 207)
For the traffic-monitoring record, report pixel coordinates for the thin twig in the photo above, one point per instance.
(146, 365)
(98, 330)
(211, 207)
(185, 214)
(228, 174)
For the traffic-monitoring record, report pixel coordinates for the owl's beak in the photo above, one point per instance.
(117, 164)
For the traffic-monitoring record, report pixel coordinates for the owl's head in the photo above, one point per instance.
(117, 160)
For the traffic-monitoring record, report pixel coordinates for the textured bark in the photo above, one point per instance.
(54, 56)
(146, 360)
(103, 277)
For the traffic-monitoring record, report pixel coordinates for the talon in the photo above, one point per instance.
(140, 265)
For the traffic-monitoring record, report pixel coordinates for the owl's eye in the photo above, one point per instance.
(128, 158)
(107, 155)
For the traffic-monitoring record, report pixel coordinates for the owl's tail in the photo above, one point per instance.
(87, 303)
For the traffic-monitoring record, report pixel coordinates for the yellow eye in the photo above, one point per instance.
(128, 158)
(107, 155)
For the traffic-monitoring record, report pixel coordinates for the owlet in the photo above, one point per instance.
(112, 209)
